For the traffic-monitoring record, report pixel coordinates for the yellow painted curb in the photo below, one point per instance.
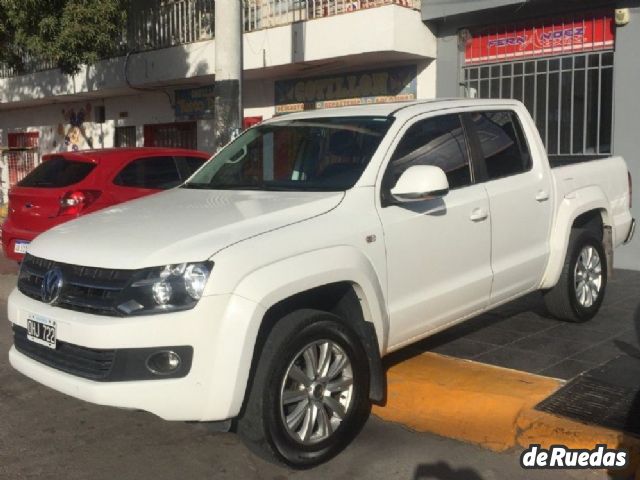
(489, 406)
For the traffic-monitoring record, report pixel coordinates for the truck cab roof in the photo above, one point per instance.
(396, 109)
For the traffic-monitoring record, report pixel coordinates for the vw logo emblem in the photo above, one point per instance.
(51, 286)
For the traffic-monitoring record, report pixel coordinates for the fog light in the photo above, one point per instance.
(163, 363)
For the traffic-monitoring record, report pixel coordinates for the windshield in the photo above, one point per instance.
(325, 154)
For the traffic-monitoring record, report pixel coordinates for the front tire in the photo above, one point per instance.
(309, 396)
(579, 293)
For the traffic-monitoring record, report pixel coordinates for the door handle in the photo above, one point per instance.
(542, 196)
(478, 215)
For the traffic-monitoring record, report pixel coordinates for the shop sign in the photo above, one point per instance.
(555, 36)
(194, 103)
(359, 88)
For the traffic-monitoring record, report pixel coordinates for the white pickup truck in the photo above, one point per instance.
(268, 287)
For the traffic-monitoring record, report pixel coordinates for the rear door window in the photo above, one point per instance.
(57, 172)
(502, 143)
(149, 172)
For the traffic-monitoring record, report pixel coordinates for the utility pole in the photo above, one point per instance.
(228, 68)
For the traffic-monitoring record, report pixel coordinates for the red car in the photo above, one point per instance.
(67, 185)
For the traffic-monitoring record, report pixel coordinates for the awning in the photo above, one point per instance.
(436, 9)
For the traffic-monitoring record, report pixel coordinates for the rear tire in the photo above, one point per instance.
(578, 295)
(310, 394)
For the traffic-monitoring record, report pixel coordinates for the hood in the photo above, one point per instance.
(177, 226)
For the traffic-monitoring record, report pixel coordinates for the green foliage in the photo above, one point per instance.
(65, 33)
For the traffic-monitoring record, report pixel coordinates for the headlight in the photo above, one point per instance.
(165, 289)
(195, 279)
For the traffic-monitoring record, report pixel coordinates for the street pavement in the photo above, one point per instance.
(47, 435)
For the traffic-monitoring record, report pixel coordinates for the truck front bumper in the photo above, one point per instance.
(220, 330)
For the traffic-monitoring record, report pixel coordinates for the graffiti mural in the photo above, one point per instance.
(75, 133)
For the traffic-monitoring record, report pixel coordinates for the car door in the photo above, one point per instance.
(438, 250)
(519, 189)
(144, 176)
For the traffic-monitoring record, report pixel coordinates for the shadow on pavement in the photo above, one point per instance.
(633, 416)
(521, 335)
(443, 471)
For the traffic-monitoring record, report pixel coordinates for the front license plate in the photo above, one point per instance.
(41, 330)
(20, 246)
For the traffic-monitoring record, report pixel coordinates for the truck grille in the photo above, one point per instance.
(85, 289)
(83, 362)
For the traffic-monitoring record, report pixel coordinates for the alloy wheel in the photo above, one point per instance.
(317, 392)
(588, 276)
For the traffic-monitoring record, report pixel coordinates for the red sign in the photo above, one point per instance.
(555, 36)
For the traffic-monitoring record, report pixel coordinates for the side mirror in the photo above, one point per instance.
(420, 182)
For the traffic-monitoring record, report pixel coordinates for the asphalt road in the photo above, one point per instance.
(47, 435)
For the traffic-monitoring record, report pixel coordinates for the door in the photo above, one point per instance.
(125, 137)
(24, 156)
(519, 189)
(172, 135)
(438, 250)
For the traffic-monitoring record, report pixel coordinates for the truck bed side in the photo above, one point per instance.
(600, 185)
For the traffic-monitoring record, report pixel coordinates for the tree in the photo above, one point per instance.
(65, 33)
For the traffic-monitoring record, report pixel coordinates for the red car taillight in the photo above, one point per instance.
(72, 203)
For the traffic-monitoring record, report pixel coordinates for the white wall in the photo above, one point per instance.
(136, 110)
(131, 110)
(426, 80)
(385, 29)
(53, 125)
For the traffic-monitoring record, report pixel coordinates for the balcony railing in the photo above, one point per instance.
(154, 24)
(167, 23)
(260, 14)
(29, 65)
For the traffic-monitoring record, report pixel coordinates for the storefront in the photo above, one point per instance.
(573, 64)
(560, 67)
(382, 85)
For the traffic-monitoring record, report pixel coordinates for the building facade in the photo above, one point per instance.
(574, 64)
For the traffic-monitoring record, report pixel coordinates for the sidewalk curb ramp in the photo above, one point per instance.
(488, 406)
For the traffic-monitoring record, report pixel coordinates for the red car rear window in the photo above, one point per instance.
(57, 172)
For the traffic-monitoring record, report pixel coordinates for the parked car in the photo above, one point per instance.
(67, 185)
(268, 287)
